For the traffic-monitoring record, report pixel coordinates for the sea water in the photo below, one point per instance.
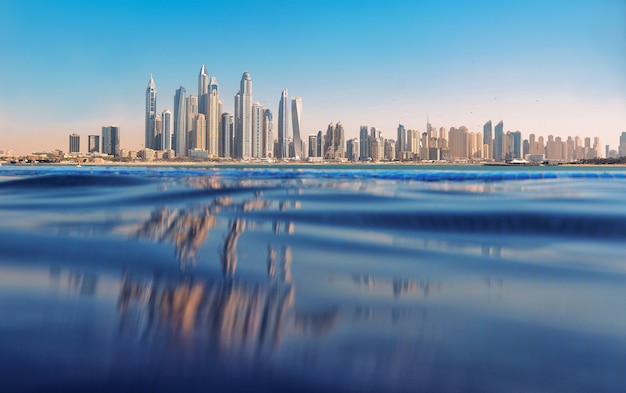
(355, 279)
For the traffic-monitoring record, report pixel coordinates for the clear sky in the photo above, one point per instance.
(549, 67)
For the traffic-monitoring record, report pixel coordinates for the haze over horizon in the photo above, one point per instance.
(542, 67)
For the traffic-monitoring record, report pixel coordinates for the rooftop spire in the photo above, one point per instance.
(151, 82)
(203, 70)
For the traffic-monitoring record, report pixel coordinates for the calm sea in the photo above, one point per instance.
(328, 278)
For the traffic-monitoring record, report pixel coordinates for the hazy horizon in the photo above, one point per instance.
(545, 68)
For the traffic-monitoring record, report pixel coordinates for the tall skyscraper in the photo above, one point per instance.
(180, 122)
(191, 109)
(213, 118)
(283, 126)
(93, 143)
(257, 129)
(157, 140)
(498, 141)
(111, 140)
(363, 143)
(268, 134)
(488, 138)
(151, 96)
(243, 118)
(226, 136)
(401, 141)
(166, 121)
(296, 117)
(74, 143)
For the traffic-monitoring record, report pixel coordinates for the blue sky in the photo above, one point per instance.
(548, 67)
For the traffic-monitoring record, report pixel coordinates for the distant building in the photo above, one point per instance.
(74, 143)
(243, 118)
(180, 123)
(258, 112)
(268, 134)
(283, 126)
(93, 143)
(498, 142)
(151, 96)
(111, 140)
(313, 146)
(166, 133)
(213, 118)
(296, 114)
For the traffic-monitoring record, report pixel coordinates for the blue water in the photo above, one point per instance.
(349, 279)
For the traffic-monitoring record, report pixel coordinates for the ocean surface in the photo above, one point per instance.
(329, 278)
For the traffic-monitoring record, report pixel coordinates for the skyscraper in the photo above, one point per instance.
(111, 140)
(166, 134)
(93, 142)
(199, 125)
(283, 126)
(363, 143)
(74, 143)
(213, 118)
(203, 90)
(191, 109)
(180, 122)
(401, 141)
(268, 134)
(312, 146)
(151, 95)
(296, 114)
(243, 118)
(226, 136)
(257, 129)
(488, 138)
(498, 141)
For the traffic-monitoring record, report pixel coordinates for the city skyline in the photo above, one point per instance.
(557, 70)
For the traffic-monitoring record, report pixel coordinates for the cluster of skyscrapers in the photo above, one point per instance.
(198, 128)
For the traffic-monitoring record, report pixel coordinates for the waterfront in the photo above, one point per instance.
(337, 278)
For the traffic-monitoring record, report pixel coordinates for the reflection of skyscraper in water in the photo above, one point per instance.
(229, 252)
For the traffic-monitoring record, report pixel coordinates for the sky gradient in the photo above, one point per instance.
(544, 67)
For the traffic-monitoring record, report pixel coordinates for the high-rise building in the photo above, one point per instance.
(457, 138)
(111, 140)
(203, 93)
(157, 140)
(74, 143)
(180, 122)
(213, 118)
(363, 143)
(243, 118)
(320, 143)
(191, 110)
(401, 141)
(296, 117)
(334, 142)
(151, 96)
(622, 145)
(498, 141)
(166, 134)
(352, 149)
(257, 130)
(93, 143)
(199, 134)
(226, 136)
(283, 126)
(312, 146)
(268, 134)
(488, 138)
